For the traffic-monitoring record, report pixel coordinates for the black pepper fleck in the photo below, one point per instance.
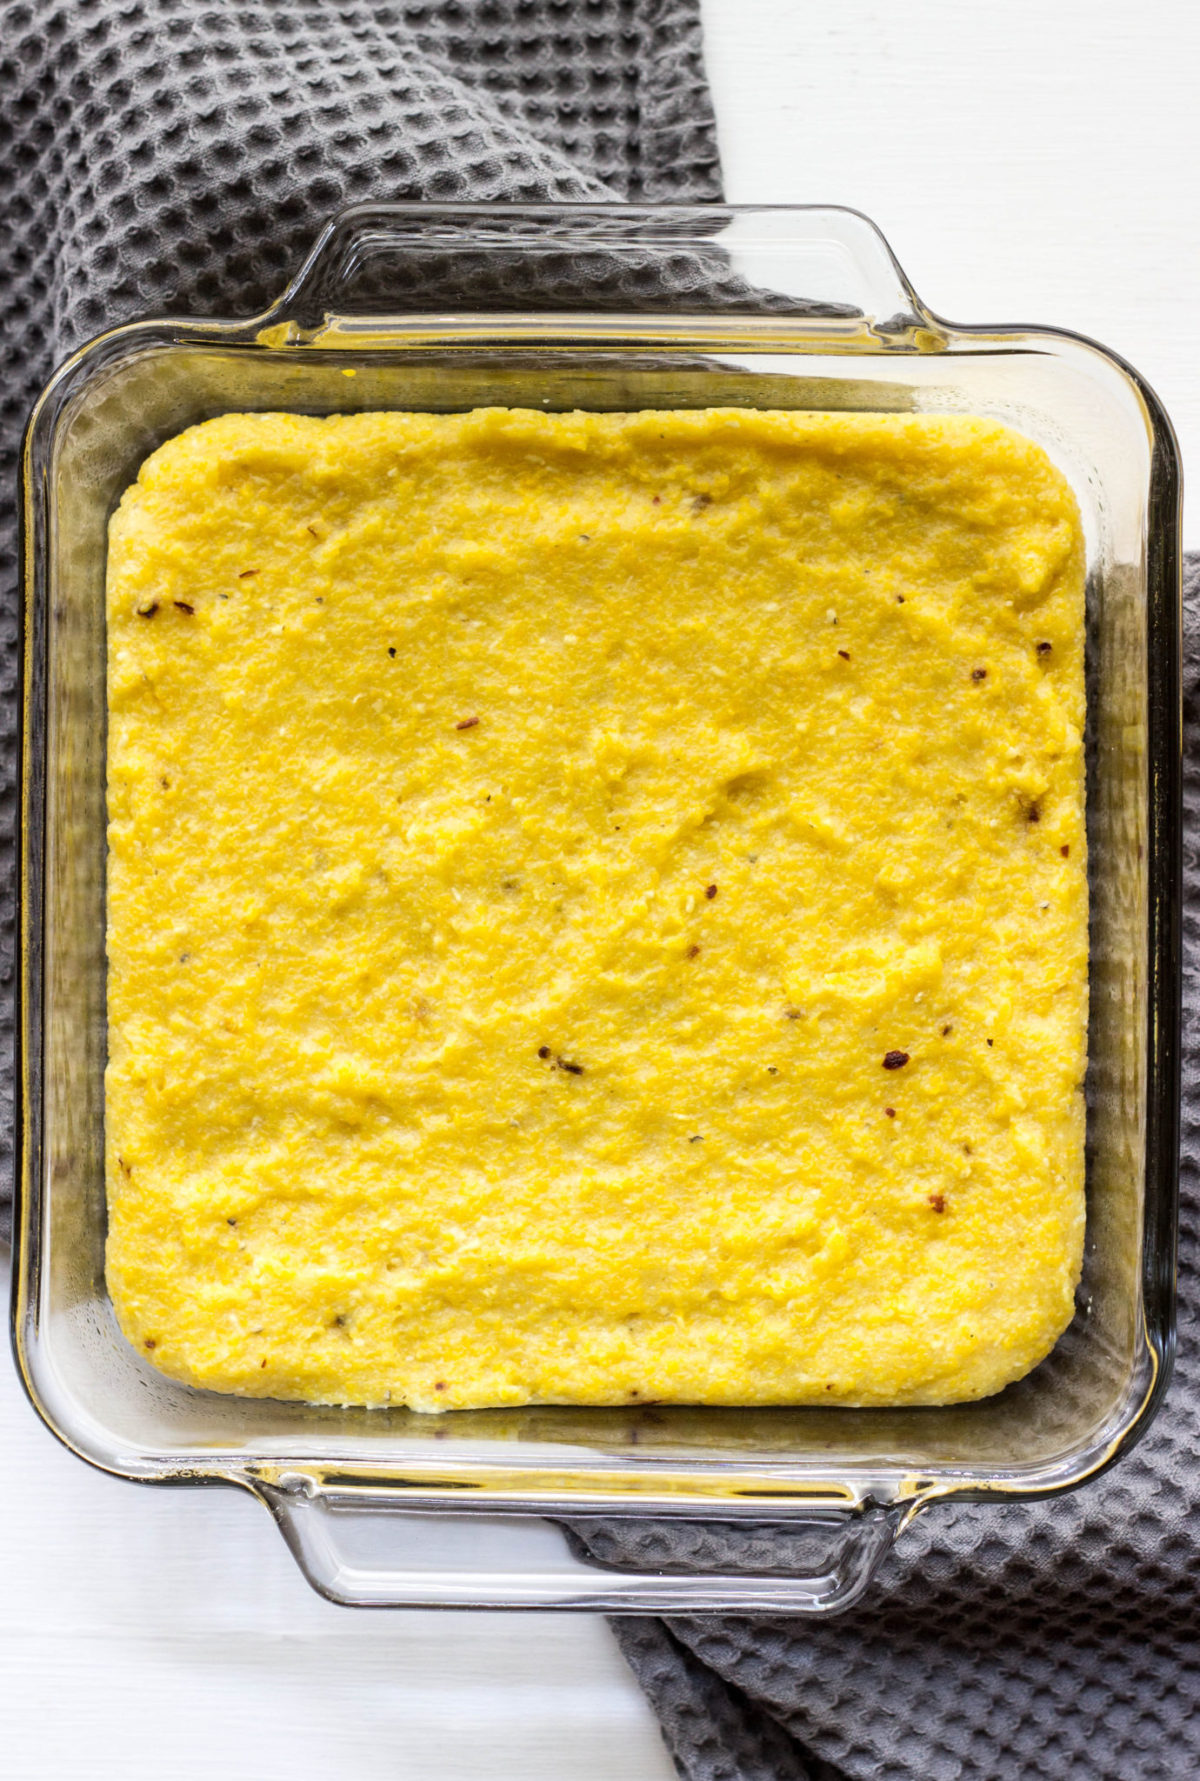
(978, 673)
(711, 892)
(543, 1051)
(895, 1060)
(182, 606)
(148, 611)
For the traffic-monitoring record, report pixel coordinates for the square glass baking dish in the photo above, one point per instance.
(415, 307)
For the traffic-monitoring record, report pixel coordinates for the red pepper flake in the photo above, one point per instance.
(938, 1202)
(895, 1060)
(891, 1112)
(468, 723)
(657, 500)
(243, 573)
(978, 673)
(1044, 648)
(711, 892)
(150, 1342)
(182, 606)
(1065, 850)
(543, 1051)
(693, 952)
(845, 654)
(262, 1363)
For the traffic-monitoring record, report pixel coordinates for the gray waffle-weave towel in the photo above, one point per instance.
(177, 156)
(1058, 1640)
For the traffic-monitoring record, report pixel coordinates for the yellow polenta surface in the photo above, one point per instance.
(537, 844)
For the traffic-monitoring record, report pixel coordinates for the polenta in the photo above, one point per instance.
(597, 907)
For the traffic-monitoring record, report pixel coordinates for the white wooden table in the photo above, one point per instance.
(1029, 162)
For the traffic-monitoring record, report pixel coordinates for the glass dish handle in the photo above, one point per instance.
(821, 266)
(372, 1550)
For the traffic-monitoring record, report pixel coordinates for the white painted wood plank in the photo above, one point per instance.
(1030, 162)
(147, 1631)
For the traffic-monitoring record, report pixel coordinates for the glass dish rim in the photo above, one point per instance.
(1156, 1333)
